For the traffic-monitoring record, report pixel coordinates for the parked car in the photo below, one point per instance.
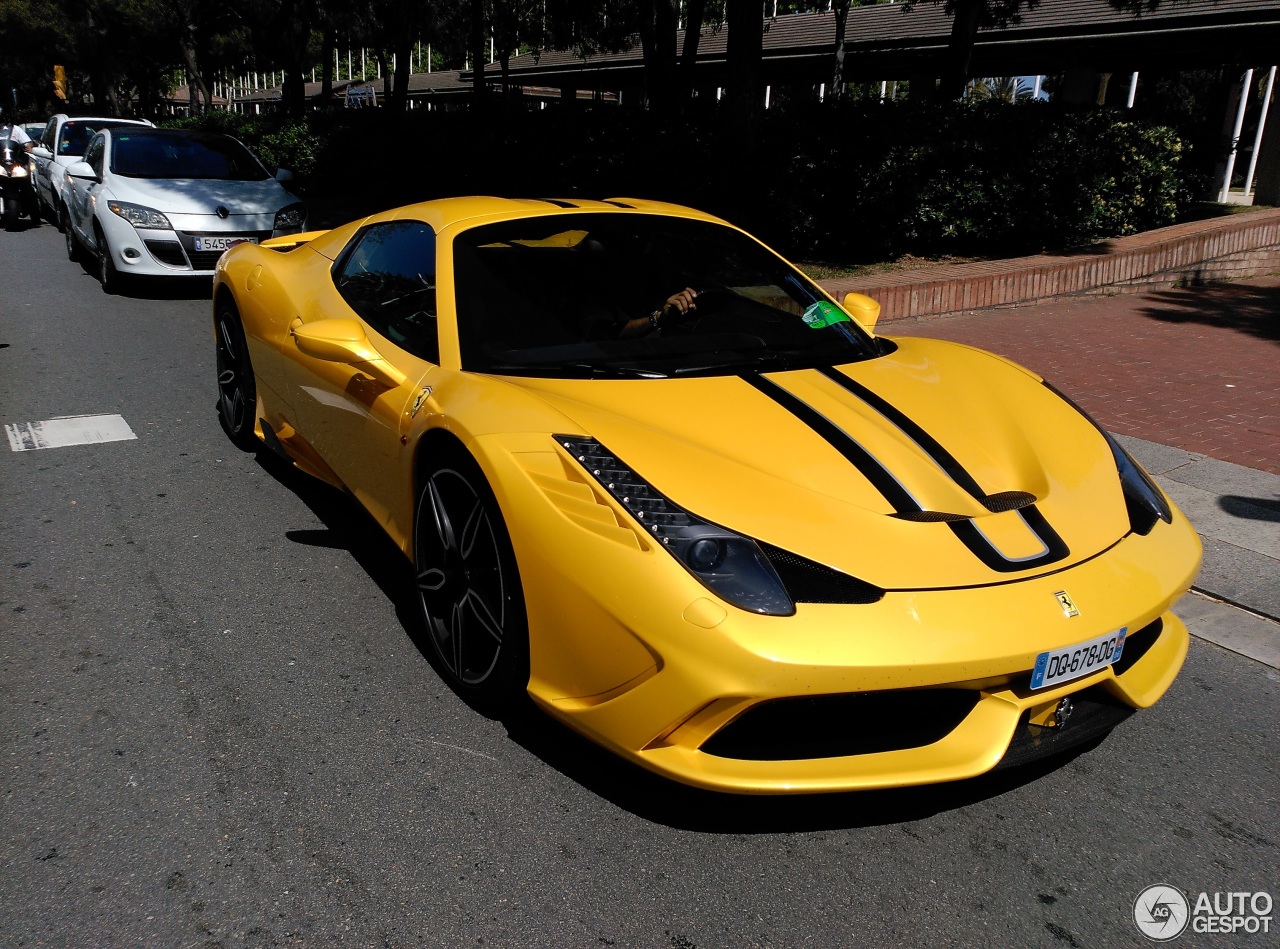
(34, 130)
(62, 141)
(168, 203)
(748, 543)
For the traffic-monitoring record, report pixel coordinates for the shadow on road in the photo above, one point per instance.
(1253, 509)
(1251, 309)
(627, 786)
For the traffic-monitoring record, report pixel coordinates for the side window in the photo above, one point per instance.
(50, 135)
(93, 155)
(389, 278)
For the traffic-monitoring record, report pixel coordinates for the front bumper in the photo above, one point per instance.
(628, 649)
(169, 253)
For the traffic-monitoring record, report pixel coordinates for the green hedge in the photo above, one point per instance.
(845, 182)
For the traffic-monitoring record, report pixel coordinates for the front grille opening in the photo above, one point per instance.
(810, 582)
(1094, 713)
(836, 726)
(167, 252)
(1136, 646)
(1008, 501)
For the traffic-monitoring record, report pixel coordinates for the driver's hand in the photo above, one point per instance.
(680, 304)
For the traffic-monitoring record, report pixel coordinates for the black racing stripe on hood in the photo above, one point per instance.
(840, 440)
(1055, 547)
(944, 459)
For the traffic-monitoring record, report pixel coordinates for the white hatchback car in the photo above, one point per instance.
(168, 202)
(61, 141)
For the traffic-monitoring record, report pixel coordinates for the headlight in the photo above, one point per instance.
(141, 217)
(1143, 498)
(291, 218)
(18, 172)
(733, 567)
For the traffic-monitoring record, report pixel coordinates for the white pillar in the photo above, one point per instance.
(1133, 89)
(884, 88)
(1035, 92)
(362, 64)
(428, 57)
(1235, 135)
(822, 91)
(492, 57)
(768, 91)
(1257, 139)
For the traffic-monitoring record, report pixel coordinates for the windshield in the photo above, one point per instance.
(154, 154)
(75, 134)
(559, 296)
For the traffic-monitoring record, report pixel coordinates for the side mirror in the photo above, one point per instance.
(82, 170)
(344, 341)
(863, 309)
(284, 174)
(41, 152)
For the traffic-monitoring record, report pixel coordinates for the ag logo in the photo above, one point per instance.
(1161, 912)
(1067, 604)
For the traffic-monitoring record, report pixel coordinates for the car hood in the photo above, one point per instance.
(202, 195)
(854, 467)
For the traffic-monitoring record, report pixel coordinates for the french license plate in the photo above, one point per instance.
(1063, 665)
(222, 243)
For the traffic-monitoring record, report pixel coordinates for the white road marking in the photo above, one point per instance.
(68, 430)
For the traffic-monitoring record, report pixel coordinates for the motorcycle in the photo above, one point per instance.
(17, 188)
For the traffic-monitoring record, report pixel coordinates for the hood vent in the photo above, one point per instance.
(1008, 501)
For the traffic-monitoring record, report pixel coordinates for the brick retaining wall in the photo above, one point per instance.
(1235, 246)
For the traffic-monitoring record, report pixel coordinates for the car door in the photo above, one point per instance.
(43, 155)
(385, 280)
(81, 194)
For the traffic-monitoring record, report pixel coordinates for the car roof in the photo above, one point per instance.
(468, 212)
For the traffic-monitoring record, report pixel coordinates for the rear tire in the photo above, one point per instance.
(468, 582)
(237, 392)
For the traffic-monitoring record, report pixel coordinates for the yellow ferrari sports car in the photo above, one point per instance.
(649, 473)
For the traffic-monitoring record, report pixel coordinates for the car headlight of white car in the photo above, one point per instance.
(291, 217)
(141, 217)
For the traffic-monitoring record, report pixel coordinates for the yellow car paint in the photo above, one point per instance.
(631, 649)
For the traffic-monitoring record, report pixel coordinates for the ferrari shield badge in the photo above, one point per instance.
(417, 402)
(1068, 605)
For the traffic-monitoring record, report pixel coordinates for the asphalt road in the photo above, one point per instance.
(217, 730)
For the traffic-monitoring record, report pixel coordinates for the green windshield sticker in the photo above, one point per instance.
(823, 314)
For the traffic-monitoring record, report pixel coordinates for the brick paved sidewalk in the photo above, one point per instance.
(1195, 368)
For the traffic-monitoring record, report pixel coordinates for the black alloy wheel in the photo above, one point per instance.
(108, 276)
(469, 583)
(237, 394)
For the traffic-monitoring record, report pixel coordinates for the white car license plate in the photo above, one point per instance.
(222, 243)
(1063, 665)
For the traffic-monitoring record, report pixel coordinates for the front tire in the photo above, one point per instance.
(12, 209)
(68, 232)
(237, 392)
(108, 276)
(469, 583)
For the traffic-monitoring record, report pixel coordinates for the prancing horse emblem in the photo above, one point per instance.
(417, 403)
(1068, 606)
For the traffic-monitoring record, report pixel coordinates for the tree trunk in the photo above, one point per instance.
(399, 100)
(841, 10)
(964, 30)
(745, 48)
(196, 88)
(478, 85)
(694, 16)
(326, 68)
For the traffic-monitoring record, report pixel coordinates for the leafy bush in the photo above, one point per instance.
(850, 181)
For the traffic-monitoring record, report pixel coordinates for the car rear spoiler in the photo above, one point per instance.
(290, 241)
